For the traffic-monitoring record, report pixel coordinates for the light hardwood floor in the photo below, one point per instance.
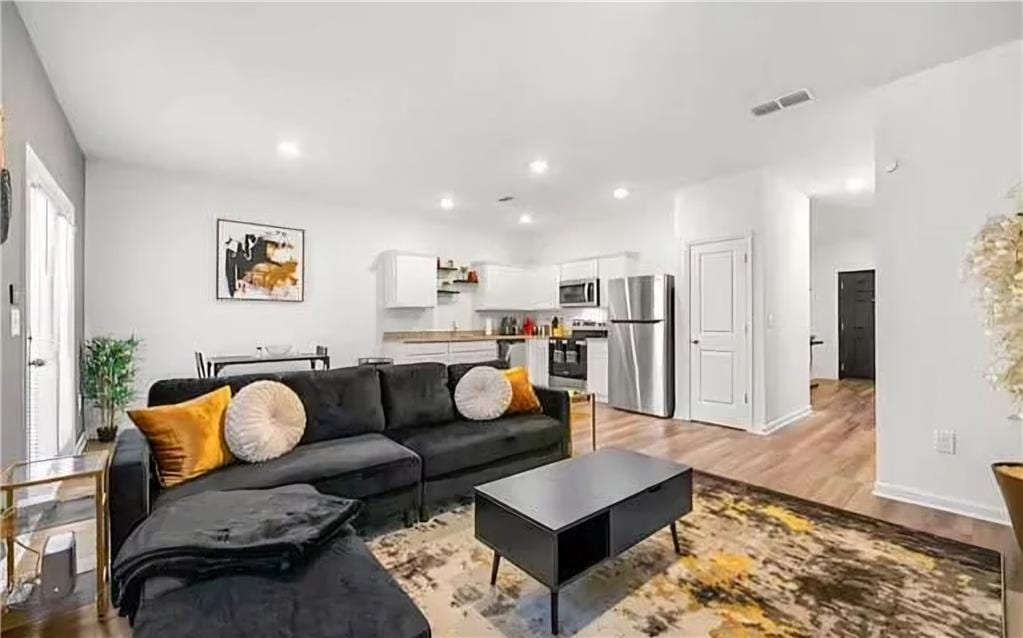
(828, 458)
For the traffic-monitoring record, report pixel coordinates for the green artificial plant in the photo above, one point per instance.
(108, 379)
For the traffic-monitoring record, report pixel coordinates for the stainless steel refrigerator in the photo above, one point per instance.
(641, 344)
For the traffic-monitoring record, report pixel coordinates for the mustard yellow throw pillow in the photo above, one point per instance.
(523, 397)
(187, 438)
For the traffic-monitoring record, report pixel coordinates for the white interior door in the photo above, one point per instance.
(51, 402)
(719, 361)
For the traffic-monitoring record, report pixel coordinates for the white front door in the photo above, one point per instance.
(718, 361)
(51, 404)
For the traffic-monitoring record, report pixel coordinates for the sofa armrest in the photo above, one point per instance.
(558, 405)
(131, 480)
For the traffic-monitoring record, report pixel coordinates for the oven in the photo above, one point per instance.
(567, 362)
(579, 293)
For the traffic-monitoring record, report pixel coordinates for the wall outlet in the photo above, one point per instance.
(945, 441)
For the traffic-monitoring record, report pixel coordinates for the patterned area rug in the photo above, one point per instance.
(754, 563)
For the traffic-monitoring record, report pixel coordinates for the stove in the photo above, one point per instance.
(567, 355)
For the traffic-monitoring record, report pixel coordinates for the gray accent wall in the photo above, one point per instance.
(35, 118)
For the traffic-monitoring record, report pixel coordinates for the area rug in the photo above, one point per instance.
(754, 563)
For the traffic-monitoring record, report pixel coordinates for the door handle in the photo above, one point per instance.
(37, 363)
(694, 341)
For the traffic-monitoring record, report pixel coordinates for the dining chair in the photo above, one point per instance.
(200, 365)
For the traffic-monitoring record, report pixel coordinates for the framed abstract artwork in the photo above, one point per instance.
(258, 262)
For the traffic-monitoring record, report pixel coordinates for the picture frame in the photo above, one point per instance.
(259, 262)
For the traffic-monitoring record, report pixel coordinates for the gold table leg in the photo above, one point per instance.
(9, 534)
(593, 420)
(102, 561)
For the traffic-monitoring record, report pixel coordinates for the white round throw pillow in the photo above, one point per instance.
(483, 393)
(265, 420)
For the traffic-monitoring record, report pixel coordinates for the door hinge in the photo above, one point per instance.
(841, 366)
(745, 258)
(745, 397)
(841, 285)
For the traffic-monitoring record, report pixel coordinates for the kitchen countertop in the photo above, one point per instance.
(443, 336)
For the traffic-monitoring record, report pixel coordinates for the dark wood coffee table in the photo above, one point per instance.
(557, 521)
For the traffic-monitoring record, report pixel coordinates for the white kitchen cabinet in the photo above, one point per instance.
(613, 267)
(596, 368)
(409, 281)
(517, 288)
(446, 352)
(537, 361)
(541, 288)
(581, 269)
(500, 287)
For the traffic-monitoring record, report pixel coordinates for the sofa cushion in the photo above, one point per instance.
(369, 464)
(341, 592)
(457, 370)
(170, 391)
(460, 445)
(338, 402)
(416, 395)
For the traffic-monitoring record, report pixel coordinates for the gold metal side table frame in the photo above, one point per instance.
(27, 474)
(578, 396)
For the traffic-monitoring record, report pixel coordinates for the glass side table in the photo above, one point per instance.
(25, 524)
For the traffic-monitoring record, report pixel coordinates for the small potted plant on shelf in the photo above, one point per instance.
(108, 379)
(995, 262)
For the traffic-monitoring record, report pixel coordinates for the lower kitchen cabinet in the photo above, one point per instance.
(446, 352)
(537, 361)
(596, 368)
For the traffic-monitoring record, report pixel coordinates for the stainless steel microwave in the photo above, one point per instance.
(578, 293)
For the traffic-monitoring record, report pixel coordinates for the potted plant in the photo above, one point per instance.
(108, 379)
(995, 262)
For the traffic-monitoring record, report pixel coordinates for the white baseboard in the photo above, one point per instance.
(788, 419)
(914, 496)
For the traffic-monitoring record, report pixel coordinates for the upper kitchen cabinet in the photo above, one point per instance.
(613, 267)
(409, 280)
(581, 269)
(517, 287)
(542, 288)
(499, 288)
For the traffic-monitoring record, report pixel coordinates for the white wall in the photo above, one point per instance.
(784, 256)
(34, 117)
(150, 264)
(842, 240)
(956, 132)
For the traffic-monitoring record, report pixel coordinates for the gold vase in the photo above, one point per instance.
(1010, 480)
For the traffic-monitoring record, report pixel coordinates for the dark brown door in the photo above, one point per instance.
(856, 324)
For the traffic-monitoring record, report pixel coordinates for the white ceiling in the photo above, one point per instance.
(395, 105)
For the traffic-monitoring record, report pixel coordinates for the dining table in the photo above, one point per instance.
(215, 364)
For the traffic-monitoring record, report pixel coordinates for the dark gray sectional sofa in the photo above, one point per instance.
(389, 436)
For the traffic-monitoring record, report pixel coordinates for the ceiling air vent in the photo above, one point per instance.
(765, 108)
(792, 99)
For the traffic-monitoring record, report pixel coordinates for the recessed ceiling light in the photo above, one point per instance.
(620, 192)
(855, 184)
(447, 203)
(526, 218)
(288, 149)
(538, 166)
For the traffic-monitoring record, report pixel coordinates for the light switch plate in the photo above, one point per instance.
(15, 322)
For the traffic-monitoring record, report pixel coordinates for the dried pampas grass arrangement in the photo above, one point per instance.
(995, 261)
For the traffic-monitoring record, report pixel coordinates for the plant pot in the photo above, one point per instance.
(106, 435)
(1010, 480)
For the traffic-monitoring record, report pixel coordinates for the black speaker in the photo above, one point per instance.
(5, 204)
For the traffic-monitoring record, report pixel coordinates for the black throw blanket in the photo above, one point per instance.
(216, 533)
